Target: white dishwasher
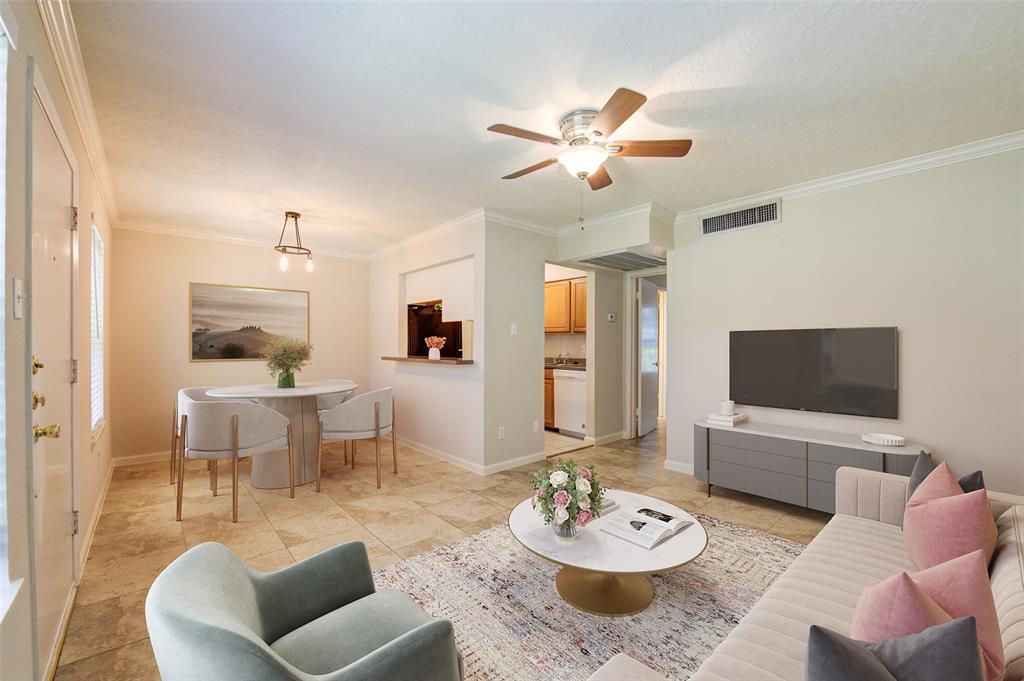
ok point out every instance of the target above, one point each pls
(571, 401)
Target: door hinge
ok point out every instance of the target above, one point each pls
(73, 370)
(638, 412)
(74, 523)
(74, 218)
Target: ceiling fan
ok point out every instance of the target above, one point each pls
(585, 145)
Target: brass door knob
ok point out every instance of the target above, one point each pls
(52, 430)
(37, 364)
(38, 400)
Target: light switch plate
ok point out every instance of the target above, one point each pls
(514, 329)
(501, 432)
(536, 426)
(19, 299)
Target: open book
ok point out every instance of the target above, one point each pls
(645, 527)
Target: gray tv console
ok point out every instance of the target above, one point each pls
(795, 465)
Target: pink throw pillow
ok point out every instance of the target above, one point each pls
(895, 608)
(941, 522)
(961, 587)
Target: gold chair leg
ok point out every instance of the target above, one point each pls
(291, 468)
(354, 442)
(213, 475)
(319, 454)
(376, 436)
(344, 449)
(234, 468)
(182, 436)
(174, 439)
(394, 437)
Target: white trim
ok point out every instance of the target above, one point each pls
(132, 459)
(514, 463)
(8, 24)
(91, 532)
(470, 466)
(964, 152)
(190, 233)
(604, 439)
(679, 467)
(60, 33)
(510, 220)
(631, 331)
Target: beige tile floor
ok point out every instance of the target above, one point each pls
(429, 503)
(556, 443)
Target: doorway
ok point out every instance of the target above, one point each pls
(52, 261)
(647, 348)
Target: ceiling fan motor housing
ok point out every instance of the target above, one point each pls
(574, 125)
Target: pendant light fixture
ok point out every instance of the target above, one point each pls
(292, 249)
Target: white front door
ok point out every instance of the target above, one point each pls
(647, 343)
(50, 299)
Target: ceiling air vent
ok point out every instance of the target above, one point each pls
(747, 217)
(626, 261)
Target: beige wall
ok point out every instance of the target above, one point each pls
(605, 367)
(92, 460)
(150, 282)
(938, 253)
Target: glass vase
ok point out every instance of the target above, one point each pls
(566, 532)
(286, 380)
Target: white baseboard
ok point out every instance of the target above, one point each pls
(140, 458)
(90, 532)
(679, 467)
(604, 439)
(470, 466)
(513, 463)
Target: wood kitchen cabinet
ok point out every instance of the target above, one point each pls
(549, 399)
(565, 306)
(579, 306)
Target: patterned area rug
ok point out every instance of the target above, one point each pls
(510, 622)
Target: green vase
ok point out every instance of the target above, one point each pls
(286, 380)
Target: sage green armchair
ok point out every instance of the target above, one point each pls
(211, 617)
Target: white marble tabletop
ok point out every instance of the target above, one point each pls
(271, 390)
(601, 552)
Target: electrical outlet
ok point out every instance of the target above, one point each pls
(536, 426)
(501, 432)
(514, 329)
(583, 348)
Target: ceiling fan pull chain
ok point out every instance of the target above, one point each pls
(581, 205)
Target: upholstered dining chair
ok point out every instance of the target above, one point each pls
(215, 431)
(211, 617)
(364, 416)
(184, 396)
(330, 401)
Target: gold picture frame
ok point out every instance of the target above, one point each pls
(234, 323)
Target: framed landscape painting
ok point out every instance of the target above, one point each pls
(239, 322)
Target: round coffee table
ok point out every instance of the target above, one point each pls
(602, 574)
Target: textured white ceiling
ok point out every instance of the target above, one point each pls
(370, 118)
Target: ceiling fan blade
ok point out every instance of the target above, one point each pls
(675, 148)
(622, 105)
(599, 179)
(525, 134)
(536, 166)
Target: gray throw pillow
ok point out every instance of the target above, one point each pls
(945, 651)
(924, 465)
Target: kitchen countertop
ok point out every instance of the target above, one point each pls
(566, 367)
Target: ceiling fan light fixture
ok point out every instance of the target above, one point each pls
(582, 160)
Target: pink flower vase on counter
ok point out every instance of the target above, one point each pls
(434, 345)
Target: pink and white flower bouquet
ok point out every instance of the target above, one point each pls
(567, 496)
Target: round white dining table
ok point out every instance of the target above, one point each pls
(270, 471)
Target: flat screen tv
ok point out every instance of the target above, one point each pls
(837, 371)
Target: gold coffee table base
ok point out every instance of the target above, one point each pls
(601, 593)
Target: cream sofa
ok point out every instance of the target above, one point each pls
(861, 545)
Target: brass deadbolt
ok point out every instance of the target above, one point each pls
(52, 431)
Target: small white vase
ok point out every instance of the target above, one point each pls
(434, 353)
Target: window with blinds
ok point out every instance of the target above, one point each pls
(96, 329)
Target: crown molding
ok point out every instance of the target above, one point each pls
(644, 210)
(60, 33)
(934, 159)
(431, 233)
(519, 223)
(207, 235)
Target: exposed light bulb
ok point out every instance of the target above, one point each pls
(283, 263)
(583, 160)
(309, 264)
